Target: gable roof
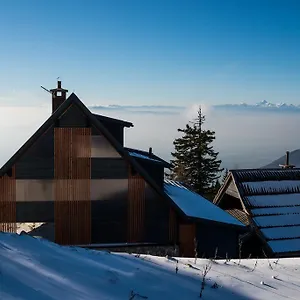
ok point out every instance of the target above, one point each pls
(271, 198)
(74, 100)
(196, 206)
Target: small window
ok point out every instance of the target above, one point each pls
(59, 94)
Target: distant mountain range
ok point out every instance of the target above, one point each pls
(170, 109)
(263, 105)
(294, 160)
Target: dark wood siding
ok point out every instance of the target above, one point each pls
(213, 236)
(173, 226)
(155, 170)
(73, 117)
(38, 161)
(157, 213)
(253, 246)
(35, 169)
(109, 210)
(116, 130)
(109, 168)
(35, 211)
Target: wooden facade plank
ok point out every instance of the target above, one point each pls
(72, 185)
(187, 234)
(8, 211)
(136, 207)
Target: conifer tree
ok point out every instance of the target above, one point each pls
(195, 163)
(225, 175)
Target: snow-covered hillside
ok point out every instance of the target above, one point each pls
(37, 269)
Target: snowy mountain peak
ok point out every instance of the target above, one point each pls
(264, 104)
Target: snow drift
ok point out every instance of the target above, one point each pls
(37, 269)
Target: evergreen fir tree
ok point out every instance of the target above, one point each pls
(225, 175)
(195, 162)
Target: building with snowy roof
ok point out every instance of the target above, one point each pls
(268, 201)
(76, 177)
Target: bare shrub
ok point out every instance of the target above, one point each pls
(138, 296)
(205, 271)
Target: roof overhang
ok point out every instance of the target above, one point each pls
(112, 120)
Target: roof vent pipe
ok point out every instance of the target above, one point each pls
(287, 162)
(287, 158)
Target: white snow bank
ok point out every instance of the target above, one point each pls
(37, 269)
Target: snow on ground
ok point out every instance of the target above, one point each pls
(27, 227)
(37, 269)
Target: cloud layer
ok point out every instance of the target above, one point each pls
(244, 138)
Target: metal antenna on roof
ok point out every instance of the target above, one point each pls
(45, 89)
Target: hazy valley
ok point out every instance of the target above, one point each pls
(247, 136)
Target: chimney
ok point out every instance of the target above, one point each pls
(287, 162)
(59, 95)
(287, 159)
(150, 151)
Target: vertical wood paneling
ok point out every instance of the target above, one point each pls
(8, 211)
(172, 226)
(136, 208)
(72, 171)
(187, 233)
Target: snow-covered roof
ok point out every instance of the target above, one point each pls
(280, 246)
(194, 205)
(278, 220)
(281, 232)
(272, 198)
(259, 187)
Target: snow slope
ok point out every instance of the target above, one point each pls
(37, 269)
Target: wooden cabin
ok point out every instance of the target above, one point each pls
(75, 176)
(268, 201)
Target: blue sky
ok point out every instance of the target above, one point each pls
(151, 52)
